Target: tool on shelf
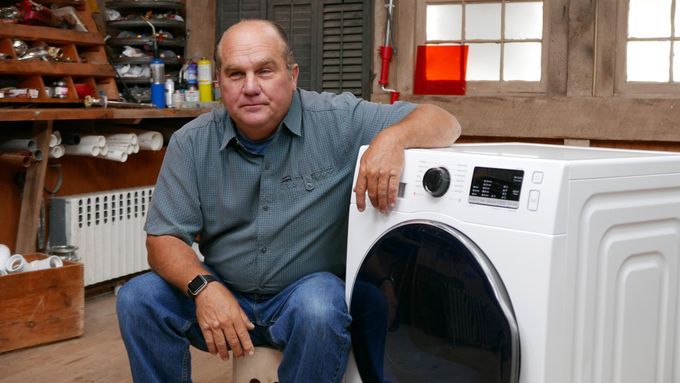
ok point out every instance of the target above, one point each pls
(104, 102)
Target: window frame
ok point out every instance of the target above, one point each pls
(622, 86)
(487, 87)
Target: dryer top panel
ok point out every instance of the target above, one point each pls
(553, 152)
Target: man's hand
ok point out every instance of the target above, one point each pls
(380, 170)
(223, 322)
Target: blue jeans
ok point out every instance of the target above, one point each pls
(308, 321)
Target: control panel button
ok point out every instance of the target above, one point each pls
(534, 195)
(537, 177)
(436, 181)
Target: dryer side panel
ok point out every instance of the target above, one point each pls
(623, 259)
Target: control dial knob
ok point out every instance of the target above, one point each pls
(436, 181)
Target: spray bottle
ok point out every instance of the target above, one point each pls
(157, 73)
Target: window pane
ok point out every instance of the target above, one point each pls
(522, 62)
(649, 18)
(676, 61)
(484, 62)
(523, 20)
(444, 22)
(483, 21)
(648, 61)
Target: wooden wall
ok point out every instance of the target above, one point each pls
(584, 99)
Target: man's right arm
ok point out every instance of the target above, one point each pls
(219, 315)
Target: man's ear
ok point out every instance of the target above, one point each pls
(294, 72)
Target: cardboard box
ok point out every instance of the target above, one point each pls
(42, 306)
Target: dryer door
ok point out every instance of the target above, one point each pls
(428, 306)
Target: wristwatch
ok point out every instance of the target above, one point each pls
(199, 283)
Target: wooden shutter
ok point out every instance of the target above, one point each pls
(346, 54)
(297, 17)
(331, 39)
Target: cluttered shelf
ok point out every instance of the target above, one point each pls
(55, 114)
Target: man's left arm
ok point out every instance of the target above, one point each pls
(427, 126)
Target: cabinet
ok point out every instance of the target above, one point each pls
(83, 66)
(130, 32)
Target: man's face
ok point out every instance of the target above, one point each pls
(257, 88)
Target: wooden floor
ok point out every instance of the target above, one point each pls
(97, 356)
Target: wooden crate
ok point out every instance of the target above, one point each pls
(42, 306)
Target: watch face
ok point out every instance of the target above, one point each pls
(197, 284)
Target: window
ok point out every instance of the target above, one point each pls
(505, 39)
(648, 48)
(653, 41)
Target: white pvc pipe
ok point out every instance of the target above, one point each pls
(115, 154)
(93, 140)
(127, 148)
(82, 150)
(103, 150)
(54, 141)
(135, 148)
(58, 136)
(127, 138)
(18, 145)
(15, 264)
(57, 151)
(4, 255)
(2, 272)
(48, 263)
(150, 140)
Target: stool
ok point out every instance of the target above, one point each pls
(259, 368)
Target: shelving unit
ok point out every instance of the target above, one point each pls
(133, 23)
(84, 54)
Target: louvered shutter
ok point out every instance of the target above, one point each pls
(297, 18)
(232, 11)
(345, 51)
(331, 39)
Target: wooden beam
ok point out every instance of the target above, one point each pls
(201, 25)
(32, 197)
(581, 50)
(585, 118)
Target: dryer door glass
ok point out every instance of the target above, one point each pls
(428, 306)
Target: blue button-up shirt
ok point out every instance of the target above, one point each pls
(267, 219)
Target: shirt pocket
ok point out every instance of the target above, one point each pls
(298, 186)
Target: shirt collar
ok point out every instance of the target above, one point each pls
(292, 121)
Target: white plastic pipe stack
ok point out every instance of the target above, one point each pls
(150, 140)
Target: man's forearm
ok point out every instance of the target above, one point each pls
(427, 126)
(173, 260)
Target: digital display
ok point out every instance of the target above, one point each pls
(496, 187)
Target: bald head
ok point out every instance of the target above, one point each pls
(256, 26)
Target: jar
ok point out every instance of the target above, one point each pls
(60, 89)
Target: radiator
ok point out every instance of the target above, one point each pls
(107, 227)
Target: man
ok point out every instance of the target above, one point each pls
(266, 183)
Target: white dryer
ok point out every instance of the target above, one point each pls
(519, 263)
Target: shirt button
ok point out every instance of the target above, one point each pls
(309, 186)
(265, 207)
(263, 249)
